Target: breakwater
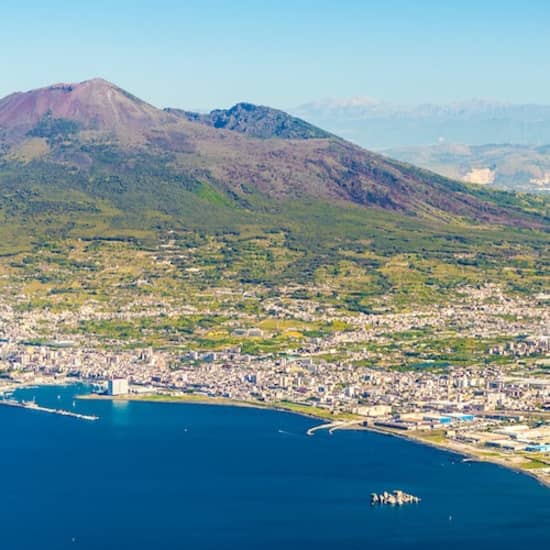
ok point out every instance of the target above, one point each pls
(34, 407)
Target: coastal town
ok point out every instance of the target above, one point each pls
(496, 408)
(275, 275)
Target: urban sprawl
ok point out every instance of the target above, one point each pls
(497, 410)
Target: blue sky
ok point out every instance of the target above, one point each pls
(213, 53)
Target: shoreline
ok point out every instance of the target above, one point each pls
(215, 401)
(466, 452)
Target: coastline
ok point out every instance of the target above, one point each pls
(472, 454)
(219, 401)
(465, 451)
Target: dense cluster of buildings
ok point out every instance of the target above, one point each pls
(466, 402)
(469, 401)
(535, 345)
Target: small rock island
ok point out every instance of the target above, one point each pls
(395, 498)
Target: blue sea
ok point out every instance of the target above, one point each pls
(174, 476)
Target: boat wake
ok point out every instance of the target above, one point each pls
(284, 432)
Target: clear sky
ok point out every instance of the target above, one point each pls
(213, 53)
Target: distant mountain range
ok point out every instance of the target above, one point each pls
(381, 125)
(90, 157)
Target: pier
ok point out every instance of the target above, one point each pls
(31, 405)
(333, 426)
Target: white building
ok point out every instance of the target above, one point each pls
(117, 386)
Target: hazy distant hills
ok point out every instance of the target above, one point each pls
(512, 167)
(505, 144)
(380, 125)
(89, 157)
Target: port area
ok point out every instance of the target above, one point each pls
(31, 405)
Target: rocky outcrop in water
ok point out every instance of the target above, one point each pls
(396, 498)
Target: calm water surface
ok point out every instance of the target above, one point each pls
(161, 476)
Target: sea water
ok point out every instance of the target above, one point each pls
(173, 476)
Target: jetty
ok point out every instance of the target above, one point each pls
(336, 425)
(31, 405)
(395, 498)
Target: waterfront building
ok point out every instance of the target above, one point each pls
(117, 386)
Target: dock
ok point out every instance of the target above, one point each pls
(31, 405)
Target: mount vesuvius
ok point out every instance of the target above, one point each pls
(89, 159)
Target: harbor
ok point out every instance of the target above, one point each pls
(35, 407)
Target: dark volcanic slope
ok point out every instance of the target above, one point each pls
(256, 121)
(97, 132)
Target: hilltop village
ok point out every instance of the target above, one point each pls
(361, 374)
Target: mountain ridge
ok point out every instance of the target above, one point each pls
(110, 145)
(96, 104)
(256, 121)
